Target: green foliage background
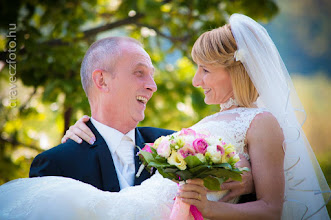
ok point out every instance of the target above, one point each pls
(52, 37)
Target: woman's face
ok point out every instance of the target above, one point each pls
(216, 83)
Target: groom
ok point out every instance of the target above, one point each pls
(117, 77)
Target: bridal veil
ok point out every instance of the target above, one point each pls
(306, 190)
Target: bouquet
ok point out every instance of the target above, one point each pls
(188, 154)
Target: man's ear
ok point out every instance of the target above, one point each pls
(100, 80)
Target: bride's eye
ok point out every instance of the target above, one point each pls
(204, 70)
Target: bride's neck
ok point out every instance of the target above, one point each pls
(231, 103)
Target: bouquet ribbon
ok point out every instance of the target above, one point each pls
(184, 211)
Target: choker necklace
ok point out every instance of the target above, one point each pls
(228, 104)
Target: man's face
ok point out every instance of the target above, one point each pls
(132, 84)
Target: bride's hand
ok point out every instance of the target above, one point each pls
(239, 188)
(195, 193)
(80, 131)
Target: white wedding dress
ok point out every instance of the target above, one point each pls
(65, 198)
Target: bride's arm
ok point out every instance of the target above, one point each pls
(265, 140)
(79, 132)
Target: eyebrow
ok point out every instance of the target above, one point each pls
(144, 65)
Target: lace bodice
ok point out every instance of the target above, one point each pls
(231, 125)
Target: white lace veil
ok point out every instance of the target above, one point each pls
(306, 190)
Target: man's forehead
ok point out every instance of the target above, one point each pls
(146, 65)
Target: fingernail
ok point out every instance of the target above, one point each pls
(92, 141)
(80, 140)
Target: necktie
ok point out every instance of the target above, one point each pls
(125, 153)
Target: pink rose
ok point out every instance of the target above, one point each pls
(164, 149)
(187, 150)
(187, 131)
(200, 145)
(148, 147)
(220, 149)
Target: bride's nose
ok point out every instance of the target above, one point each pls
(196, 81)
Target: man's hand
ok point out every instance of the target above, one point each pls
(236, 188)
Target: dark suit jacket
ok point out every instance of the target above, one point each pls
(92, 164)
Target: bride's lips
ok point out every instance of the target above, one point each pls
(205, 91)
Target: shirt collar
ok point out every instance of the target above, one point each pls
(112, 136)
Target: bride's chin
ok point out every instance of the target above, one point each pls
(210, 102)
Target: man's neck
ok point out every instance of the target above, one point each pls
(119, 124)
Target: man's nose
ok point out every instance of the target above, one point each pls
(150, 84)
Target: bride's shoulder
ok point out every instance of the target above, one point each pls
(264, 123)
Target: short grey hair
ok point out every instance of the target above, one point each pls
(107, 49)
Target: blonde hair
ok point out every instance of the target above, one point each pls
(217, 47)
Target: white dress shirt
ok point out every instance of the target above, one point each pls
(121, 147)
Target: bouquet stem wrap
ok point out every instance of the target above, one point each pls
(184, 211)
(181, 211)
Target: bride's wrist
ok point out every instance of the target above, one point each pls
(209, 210)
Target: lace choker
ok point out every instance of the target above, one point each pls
(228, 104)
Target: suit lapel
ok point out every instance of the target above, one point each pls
(144, 174)
(108, 173)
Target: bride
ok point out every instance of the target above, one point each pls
(239, 68)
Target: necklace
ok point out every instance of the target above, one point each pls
(228, 104)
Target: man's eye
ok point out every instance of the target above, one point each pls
(139, 73)
(206, 71)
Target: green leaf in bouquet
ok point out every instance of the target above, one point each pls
(160, 159)
(221, 173)
(221, 180)
(192, 161)
(148, 157)
(157, 164)
(223, 165)
(212, 183)
(153, 150)
(168, 175)
(199, 169)
(171, 170)
(184, 174)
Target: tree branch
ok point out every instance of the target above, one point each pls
(95, 31)
(3, 55)
(15, 143)
(173, 39)
(28, 100)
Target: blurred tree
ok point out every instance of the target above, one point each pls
(302, 34)
(51, 39)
